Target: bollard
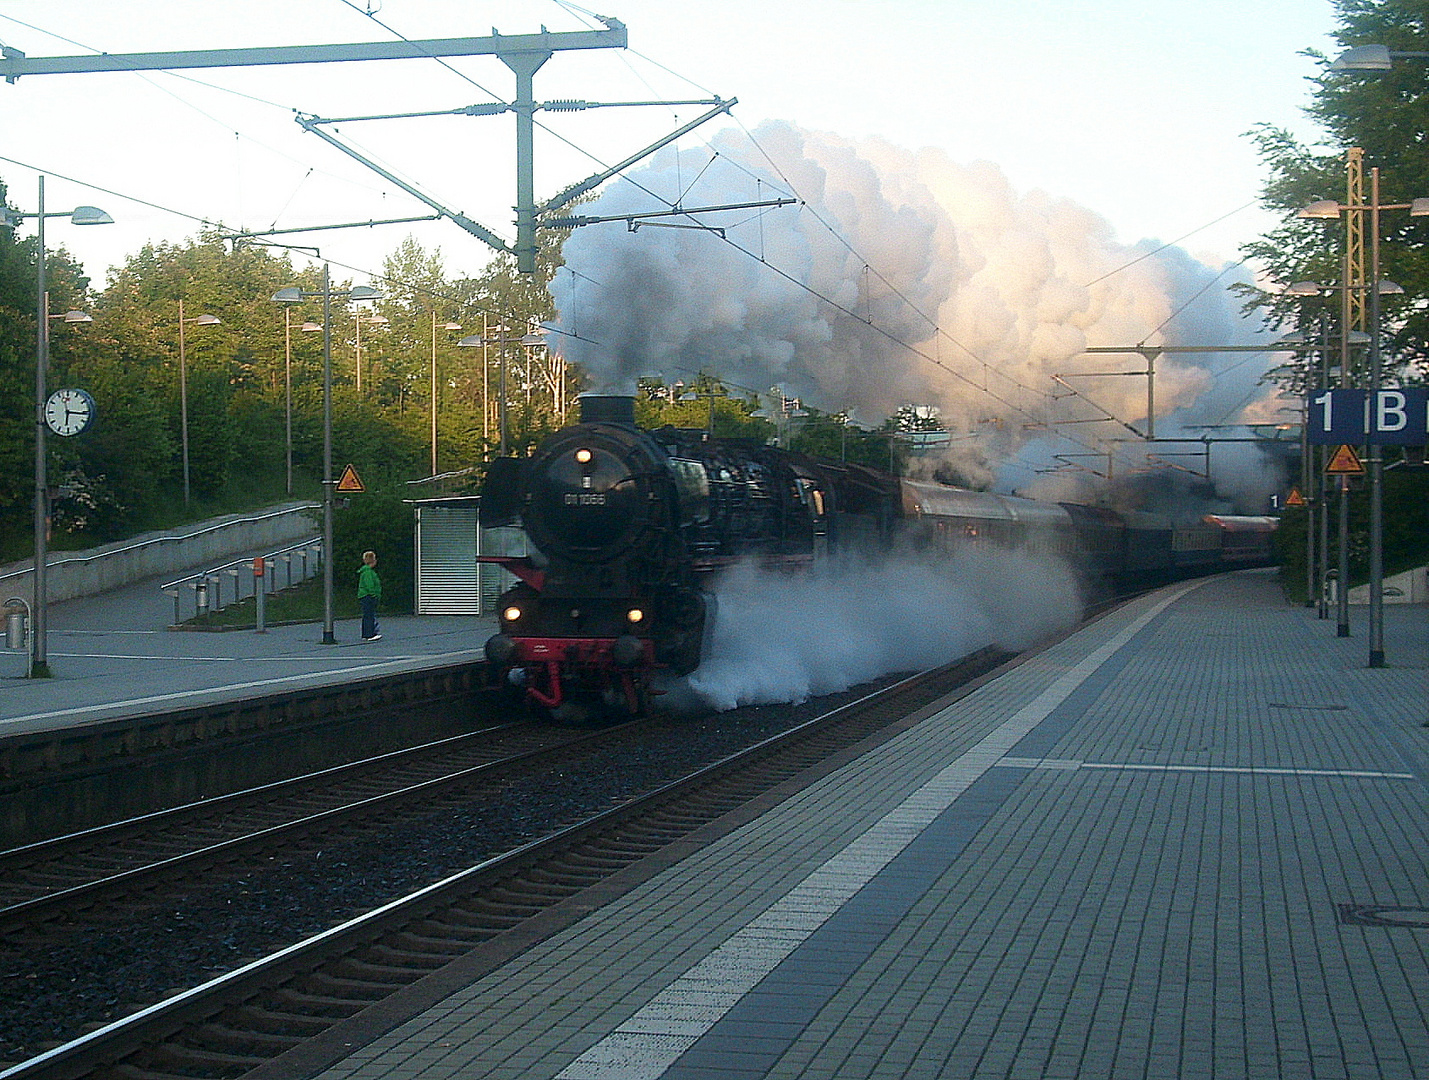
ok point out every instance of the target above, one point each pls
(15, 629)
(259, 592)
(201, 598)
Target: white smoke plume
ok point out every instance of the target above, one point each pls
(843, 315)
(786, 638)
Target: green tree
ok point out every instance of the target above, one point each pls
(1387, 115)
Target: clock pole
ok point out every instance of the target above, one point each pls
(39, 658)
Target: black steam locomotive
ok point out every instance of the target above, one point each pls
(629, 525)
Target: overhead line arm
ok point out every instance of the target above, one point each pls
(576, 190)
(481, 232)
(14, 63)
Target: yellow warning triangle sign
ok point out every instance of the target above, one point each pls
(1344, 462)
(1295, 498)
(348, 483)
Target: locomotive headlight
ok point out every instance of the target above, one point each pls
(634, 615)
(584, 456)
(511, 614)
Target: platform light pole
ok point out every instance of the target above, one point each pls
(1329, 209)
(483, 340)
(445, 326)
(80, 215)
(197, 320)
(293, 295)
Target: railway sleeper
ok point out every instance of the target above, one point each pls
(496, 918)
(399, 956)
(173, 1059)
(360, 968)
(567, 883)
(626, 850)
(301, 1002)
(365, 990)
(258, 1018)
(443, 945)
(532, 885)
(595, 864)
(245, 1041)
(456, 928)
(517, 894)
(473, 913)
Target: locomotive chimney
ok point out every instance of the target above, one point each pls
(607, 409)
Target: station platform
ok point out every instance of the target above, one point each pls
(1187, 840)
(114, 655)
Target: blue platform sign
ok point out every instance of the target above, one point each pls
(1361, 417)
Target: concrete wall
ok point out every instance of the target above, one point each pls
(1410, 587)
(170, 553)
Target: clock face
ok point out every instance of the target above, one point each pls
(68, 412)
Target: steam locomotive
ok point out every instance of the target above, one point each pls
(629, 526)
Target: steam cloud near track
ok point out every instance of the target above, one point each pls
(1020, 283)
(786, 638)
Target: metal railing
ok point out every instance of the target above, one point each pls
(149, 544)
(210, 593)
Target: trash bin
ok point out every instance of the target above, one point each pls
(15, 628)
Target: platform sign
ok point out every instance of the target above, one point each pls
(349, 483)
(1361, 417)
(1344, 462)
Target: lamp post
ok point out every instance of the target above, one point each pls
(80, 215)
(1375, 464)
(307, 327)
(483, 341)
(293, 295)
(445, 326)
(357, 320)
(1320, 495)
(197, 320)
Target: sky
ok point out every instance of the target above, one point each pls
(984, 183)
(1136, 109)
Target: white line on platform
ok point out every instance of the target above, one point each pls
(1247, 770)
(647, 1044)
(100, 709)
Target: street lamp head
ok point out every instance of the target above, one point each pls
(1321, 209)
(290, 295)
(1304, 288)
(1389, 288)
(310, 327)
(473, 340)
(376, 320)
(365, 292)
(77, 317)
(207, 320)
(1364, 58)
(1419, 208)
(90, 215)
(451, 326)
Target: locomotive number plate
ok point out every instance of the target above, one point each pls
(584, 498)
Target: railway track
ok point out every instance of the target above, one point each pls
(292, 1012)
(54, 878)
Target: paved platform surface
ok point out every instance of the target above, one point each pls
(113, 655)
(1187, 841)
